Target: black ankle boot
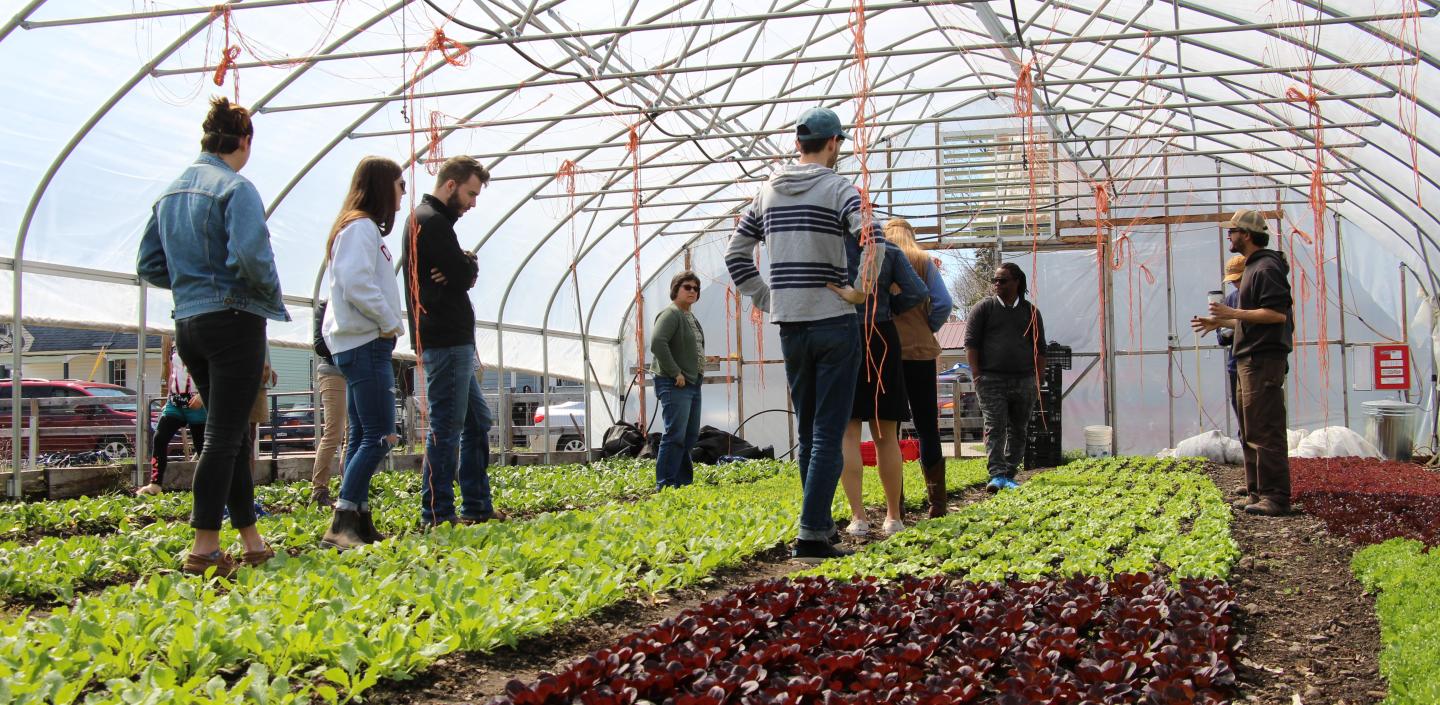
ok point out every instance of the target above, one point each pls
(344, 533)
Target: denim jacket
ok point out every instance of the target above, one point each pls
(894, 268)
(207, 242)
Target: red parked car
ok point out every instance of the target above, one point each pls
(105, 424)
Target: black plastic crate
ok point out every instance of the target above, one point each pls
(1057, 356)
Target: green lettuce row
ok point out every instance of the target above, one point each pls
(1407, 579)
(55, 568)
(331, 625)
(112, 512)
(528, 489)
(1094, 517)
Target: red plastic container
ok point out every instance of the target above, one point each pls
(909, 450)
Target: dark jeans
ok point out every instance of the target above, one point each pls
(370, 394)
(160, 445)
(680, 407)
(920, 388)
(822, 360)
(1006, 402)
(459, 435)
(1235, 396)
(225, 354)
(1262, 428)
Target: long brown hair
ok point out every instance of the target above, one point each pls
(898, 231)
(372, 195)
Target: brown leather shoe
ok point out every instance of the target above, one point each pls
(1268, 507)
(321, 497)
(255, 559)
(1243, 502)
(197, 564)
(492, 516)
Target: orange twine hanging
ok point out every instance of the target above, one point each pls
(634, 147)
(228, 55)
(1317, 209)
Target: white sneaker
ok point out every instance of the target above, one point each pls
(151, 489)
(858, 527)
(892, 527)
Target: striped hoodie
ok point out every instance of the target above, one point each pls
(809, 218)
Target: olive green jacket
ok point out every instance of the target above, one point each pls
(674, 345)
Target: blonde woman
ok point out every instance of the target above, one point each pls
(919, 349)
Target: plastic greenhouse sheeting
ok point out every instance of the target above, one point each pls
(104, 100)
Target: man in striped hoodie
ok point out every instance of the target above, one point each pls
(809, 219)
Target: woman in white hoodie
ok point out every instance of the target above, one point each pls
(362, 321)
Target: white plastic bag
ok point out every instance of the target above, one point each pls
(1293, 437)
(1335, 442)
(1213, 445)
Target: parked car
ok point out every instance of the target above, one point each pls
(567, 427)
(294, 428)
(104, 424)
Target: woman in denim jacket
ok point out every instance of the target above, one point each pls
(206, 241)
(362, 321)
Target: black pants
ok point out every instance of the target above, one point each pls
(225, 354)
(160, 445)
(920, 387)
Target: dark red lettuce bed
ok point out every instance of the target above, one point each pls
(923, 641)
(1369, 501)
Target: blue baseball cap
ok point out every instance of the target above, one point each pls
(819, 123)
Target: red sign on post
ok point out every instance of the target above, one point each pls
(1392, 367)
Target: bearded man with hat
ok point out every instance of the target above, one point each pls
(1264, 334)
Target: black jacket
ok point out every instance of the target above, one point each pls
(1265, 284)
(1006, 337)
(445, 315)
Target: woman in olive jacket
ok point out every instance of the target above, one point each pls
(679, 349)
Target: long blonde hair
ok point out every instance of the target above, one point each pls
(898, 231)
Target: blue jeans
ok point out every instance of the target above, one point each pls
(1006, 402)
(822, 363)
(370, 409)
(459, 435)
(680, 407)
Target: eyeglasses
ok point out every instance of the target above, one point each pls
(1000, 280)
(690, 287)
(1234, 231)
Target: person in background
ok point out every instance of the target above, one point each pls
(1264, 334)
(206, 242)
(331, 415)
(880, 391)
(1005, 346)
(678, 345)
(1234, 269)
(362, 322)
(919, 349)
(182, 410)
(438, 278)
(809, 217)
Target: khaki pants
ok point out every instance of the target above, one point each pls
(1262, 428)
(333, 410)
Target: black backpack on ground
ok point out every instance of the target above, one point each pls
(623, 440)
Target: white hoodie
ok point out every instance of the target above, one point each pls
(364, 295)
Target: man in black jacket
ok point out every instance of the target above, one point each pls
(1005, 346)
(442, 330)
(1264, 333)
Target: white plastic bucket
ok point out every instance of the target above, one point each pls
(1098, 440)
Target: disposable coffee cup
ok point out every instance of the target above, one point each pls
(1216, 297)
